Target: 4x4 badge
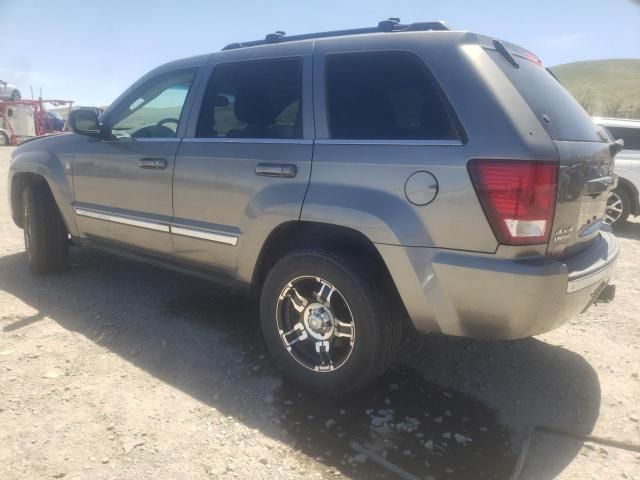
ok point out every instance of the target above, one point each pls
(562, 234)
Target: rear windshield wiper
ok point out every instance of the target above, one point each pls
(502, 50)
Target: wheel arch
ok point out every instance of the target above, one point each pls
(294, 235)
(19, 182)
(40, 166)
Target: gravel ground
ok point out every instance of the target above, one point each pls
(118, 370)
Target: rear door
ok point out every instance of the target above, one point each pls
(245, 167)
(122, 185)
(585, 153)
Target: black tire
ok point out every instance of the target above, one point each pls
(377, 334)
(4, 140)
(618, 217)
(15, 96)
(45, 235)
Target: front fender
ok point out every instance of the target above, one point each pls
(51, 159)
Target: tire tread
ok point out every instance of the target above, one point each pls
(49, 240)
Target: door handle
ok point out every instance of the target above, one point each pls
(153, 163)
(285, 170)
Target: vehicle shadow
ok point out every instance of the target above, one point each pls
(451, 408)
(628, 229)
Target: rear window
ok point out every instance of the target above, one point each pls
(561, 115)
(631, 136)
(384, 96)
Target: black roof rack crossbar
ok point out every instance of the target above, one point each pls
(390, 25)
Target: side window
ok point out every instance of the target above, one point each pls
(384, 96)
(259, 99)
(156, 110)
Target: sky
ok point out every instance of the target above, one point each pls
(90, 51)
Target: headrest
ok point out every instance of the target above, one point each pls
(253, 107)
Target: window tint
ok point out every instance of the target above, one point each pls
(156, 110)
(631, 136)
(253, 100)
(384, 96)
(547, 98)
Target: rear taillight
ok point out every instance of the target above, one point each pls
(518, 197)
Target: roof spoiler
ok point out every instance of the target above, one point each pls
(390, 25)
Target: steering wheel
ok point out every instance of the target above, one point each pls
(167, 120)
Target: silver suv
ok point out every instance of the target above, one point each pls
(363, 183)
(625, 199)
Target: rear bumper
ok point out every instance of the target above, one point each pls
(479, 295)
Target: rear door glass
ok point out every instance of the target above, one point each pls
(259, 99)
(561, 115)
(384, 96)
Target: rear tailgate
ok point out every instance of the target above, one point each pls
(586, 177)
(585, 153)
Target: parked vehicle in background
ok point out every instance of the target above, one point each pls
(23, 119)
(624, 200)
(54, 122)
(9, 92)
(16, 122)
(456, 187)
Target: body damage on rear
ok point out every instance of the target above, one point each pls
(584, 154)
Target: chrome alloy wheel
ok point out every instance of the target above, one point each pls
(614, 209)
(315, 323)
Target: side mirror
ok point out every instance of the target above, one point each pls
(85, 122)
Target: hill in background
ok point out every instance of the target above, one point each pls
(608, 88)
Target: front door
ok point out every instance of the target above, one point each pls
(247, 166)
(122, 186)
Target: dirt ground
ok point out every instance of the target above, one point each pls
(115, 370)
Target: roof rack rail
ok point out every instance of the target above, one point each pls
(390, 25)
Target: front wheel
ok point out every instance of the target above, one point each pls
(326, 323)
(45, 235)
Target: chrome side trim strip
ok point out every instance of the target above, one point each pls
(202, 235)
(324, 141)
(123, 220)
(289, 141)
(159, 227)
(434, 143)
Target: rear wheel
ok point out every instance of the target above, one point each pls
(618, 207)
(15, 95)
(326, 323)
(4, 139)
(45, 235)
